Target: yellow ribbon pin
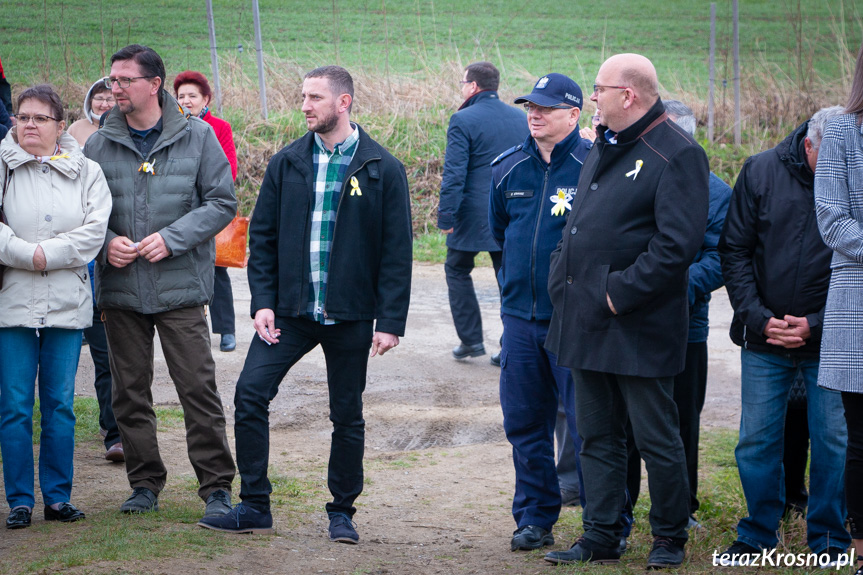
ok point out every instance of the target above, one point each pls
(634, 173)
(59, 156)
(561, 203)
(355, 186)
(148, 167)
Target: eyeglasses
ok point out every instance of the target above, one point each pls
(543, 110)
(596, 88)
(466, 81)
(108, 100)
(123, 82)
(38, 119)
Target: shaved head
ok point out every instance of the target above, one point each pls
(626, 88)
(636, 71)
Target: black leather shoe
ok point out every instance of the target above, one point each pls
(584, 551)
(228, 342)
(65, 514)
(530, 537)
(19, 518)
(495, 359)
(462, 351)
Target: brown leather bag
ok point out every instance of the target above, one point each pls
(231, 244)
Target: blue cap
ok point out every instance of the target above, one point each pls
(554, 90)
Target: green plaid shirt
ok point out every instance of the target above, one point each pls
(330, 170)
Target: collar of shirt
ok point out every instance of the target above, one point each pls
(341, 147)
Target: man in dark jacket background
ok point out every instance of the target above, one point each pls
(172, 192)
(777, 272)
(482, 128)
(533, 185)
(330, 264)
(618, 283)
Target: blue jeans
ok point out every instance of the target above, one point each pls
(765, 382)
(53, 353)
(531, 384)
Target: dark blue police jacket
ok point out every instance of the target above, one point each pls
(528, 208)
(477, 134)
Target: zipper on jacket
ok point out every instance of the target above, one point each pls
(336, 227)
(536, 242)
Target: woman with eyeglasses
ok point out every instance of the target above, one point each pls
(97, 101)
(192, 91)
(56, 205)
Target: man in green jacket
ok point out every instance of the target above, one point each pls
(172, 192)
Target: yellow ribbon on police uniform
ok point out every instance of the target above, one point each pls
(355, 186)
(561, 203)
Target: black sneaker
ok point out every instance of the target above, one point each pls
(342, 529)
(241, 519)
(462, 351)
(19, 518)
(585, 551)
(739, 554)
(667, 552)
(218, 503)
(530, 537)
(142, 500)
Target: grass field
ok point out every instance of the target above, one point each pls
(74, 38)
(406, 57)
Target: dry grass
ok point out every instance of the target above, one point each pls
(409, 114)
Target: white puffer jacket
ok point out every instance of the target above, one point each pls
(62, 205)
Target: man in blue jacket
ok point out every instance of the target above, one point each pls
(533, 185)
(479, 131)
(330, 264)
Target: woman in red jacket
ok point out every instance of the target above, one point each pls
(192, 91)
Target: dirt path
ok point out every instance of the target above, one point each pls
(439, 472)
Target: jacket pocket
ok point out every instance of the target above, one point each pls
(590, 300)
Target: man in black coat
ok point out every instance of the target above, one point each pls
(618, 284)
(481, 129)
(777, 273)
(330, 265)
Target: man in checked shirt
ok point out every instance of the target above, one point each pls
(330, 264)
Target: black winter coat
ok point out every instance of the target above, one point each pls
(637, 222)
(773, 258)
(371, 255)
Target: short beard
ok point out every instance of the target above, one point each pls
(126, 108)
(326, 125)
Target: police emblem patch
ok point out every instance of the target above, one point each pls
(541, 83)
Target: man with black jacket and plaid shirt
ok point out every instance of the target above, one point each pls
(330, 264)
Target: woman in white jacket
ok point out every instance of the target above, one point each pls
(57, 204)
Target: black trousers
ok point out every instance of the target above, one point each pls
(462, 296)
(98, 342)
(222, 306)
(853, 403)
(346, 348)
(690, 387)
(602, 404)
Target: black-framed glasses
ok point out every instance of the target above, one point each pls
(466, 81)
(124, 82)
(543, 110)
(38, 119)
(596, 87)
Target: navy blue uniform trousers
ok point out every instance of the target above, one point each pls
(531, 384)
